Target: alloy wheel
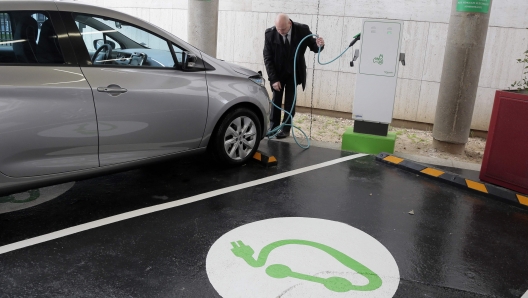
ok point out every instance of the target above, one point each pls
(240, 138)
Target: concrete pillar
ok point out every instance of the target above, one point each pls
(202, 27)
(466, 39)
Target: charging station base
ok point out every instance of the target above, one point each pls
(366, 143)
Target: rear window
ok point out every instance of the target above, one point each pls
(29, 38)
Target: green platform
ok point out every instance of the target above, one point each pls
(364, 143)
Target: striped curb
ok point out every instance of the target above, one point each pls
(487, 189)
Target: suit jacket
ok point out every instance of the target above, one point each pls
(275, 55)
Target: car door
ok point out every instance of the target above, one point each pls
(47, 114)
(146, 107)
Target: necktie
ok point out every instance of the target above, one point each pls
(287, 44)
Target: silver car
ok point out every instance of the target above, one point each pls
(86, 90)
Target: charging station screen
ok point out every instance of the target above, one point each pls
(379, 48)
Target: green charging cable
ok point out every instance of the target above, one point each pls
(274, 132)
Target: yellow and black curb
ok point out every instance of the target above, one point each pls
(265, 159)
(489, 190)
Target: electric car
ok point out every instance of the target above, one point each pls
(86, 90)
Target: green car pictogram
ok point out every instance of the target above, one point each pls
(335, 283)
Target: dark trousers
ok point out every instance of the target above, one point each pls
(288, 90)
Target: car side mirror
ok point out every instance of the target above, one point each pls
(188, 60)
(99, 42)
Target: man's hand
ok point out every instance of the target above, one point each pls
(277, 86)
(320, 42)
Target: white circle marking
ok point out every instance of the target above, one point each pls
(301, 257)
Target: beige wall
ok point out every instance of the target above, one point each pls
(241, 38)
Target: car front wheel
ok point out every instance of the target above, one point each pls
(237, 138)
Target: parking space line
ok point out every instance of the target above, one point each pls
(525, 295)
(136, 213)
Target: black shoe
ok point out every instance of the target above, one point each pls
(283, 134)
(270, 134)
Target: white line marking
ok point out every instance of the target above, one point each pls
(128, 215)
(525, 295)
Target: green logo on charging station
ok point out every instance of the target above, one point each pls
(335, 283)
(379, 60)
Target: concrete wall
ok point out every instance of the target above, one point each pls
(241, 38)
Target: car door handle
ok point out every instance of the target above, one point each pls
(113, 90)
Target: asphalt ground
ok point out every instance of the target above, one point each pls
(456, 244)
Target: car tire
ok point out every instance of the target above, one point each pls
(237, 138)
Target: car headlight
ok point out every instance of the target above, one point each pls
(258, 80)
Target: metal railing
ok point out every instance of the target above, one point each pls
(5, 30)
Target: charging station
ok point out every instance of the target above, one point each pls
(377, 76)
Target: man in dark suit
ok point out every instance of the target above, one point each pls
(281, 42)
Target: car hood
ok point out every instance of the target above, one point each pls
(242, 70)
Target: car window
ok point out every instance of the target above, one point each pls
(28, 37)
(90, 35)
(113, 42)
(178, 51)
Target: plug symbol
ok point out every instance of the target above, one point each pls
(334, 283)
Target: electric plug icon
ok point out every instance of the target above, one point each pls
(243, 251)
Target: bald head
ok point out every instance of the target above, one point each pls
(282, 23)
